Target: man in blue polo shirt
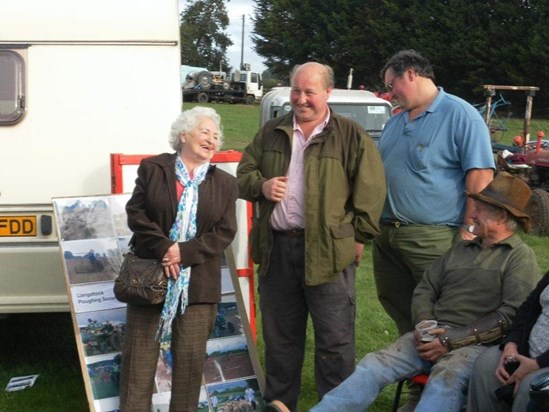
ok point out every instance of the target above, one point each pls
(434, 149)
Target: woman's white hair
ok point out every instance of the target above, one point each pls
(188, 120)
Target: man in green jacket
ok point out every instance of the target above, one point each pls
(318, 185)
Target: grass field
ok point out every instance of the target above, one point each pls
(44, 343)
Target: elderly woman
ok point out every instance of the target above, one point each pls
(182, 213)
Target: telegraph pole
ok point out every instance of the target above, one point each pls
(242, 45)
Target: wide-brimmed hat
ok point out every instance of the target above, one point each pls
(510, 193)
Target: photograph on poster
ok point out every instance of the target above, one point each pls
(227, 359)
(227, 320)
(92, 260)
(118, 214)
(239, 395)
(102, 332)
(104, 375)
(84, 218)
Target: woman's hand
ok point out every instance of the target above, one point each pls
(509, 352)
(527, 366)
(171, 262)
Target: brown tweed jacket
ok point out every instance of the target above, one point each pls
(152, 210)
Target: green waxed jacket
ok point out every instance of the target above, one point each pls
(344, 192)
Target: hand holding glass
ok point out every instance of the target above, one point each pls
(424, 329)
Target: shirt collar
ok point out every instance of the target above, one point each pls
(436, 103)
(320, 127)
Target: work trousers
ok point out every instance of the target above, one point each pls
(401, 253)
(140, 353)
(285, 302)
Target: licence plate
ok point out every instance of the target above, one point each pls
(17, 226)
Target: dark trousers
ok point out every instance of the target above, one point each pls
(140, 353)
(285, 302)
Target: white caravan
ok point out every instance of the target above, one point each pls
(78, 81)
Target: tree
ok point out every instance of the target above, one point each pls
(204, 42)
(469, 42)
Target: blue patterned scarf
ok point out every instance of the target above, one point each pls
(183, 229)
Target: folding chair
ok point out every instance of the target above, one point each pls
(419, 379)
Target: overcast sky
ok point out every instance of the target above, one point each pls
(235, 10)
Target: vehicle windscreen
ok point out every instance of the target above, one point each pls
(371, 117)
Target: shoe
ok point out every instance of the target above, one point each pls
(409, 406)
(276, 406)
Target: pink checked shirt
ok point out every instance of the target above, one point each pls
(289, 212)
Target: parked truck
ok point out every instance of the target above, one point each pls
(202, 85)
(77, 83)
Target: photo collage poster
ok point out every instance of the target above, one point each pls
(93, 237)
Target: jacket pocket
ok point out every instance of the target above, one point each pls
(343, 238)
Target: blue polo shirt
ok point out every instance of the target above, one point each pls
(426, 161)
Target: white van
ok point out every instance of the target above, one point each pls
(78, 81)
(362, 106)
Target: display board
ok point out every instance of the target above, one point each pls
(93, 237)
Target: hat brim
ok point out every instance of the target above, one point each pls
(524, 218)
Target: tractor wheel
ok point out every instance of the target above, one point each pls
(539, 212)
(205, 80)
(202, 97)
(250, 99)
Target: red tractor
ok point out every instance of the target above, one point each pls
(530, 162)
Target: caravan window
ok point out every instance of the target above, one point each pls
(12, 94)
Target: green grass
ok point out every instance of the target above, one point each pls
(44, 343)
(240, 122)
(41, 344)
(515, 127)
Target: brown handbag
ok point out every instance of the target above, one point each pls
(140, 281)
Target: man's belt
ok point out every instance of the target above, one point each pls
(394, 222)
(294, 233)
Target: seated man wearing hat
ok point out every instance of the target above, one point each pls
(473, 291)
